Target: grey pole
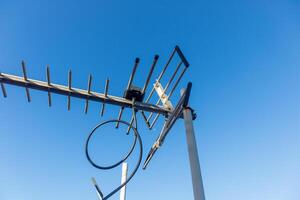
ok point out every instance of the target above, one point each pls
(123, 180)
(193, 155)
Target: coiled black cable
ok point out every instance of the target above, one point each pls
(136, 138)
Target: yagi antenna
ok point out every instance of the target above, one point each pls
(133, 98)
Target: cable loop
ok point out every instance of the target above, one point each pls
(136, 138)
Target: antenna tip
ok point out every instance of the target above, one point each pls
(137, 60)
(156, 57)
(94, 181)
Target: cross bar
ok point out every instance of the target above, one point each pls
(79, 93)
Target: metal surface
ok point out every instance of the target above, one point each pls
(137, 61)
(186, 64)
(3, 90)
(158, 79)
(193, 155)
(169, 95)
(105, 94)
(182, 57)
(79, 93)
(89, 92)
(99, 192)
(150, 73)
(119, 116)
(25, 78)
(49, 83)
(172, 118)
(123, 179)
(173, 76)
(132, 94)
(70, 88)
(162, 96)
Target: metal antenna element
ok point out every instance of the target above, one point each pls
(3, 89)
(70, 88)
(105, 95)
(167, 98)
(146, 84)
(89, 92)
(136, 63)
(177, 112)
(25, 78)
(49, 84)
(161, 74)
(99, 192)
(132, 118)
(119, 116)
(164, 90)
(161, 91)
(150, 73)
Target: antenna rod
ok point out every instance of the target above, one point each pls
(99, 192)
(161, 74)
(25, 78)
(152, 91)
(170, 94)
(119, 116)
(70, 88)
(3, 90)
(165, 89)
(182, 57)
(49, 83)
(89, 92)
(176, 84)
(105, 95)
(173, 76)
(177, 113)
(167, 64)
(150, 73)
(137, 61)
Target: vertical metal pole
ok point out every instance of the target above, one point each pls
(123, 179)
(193, 155)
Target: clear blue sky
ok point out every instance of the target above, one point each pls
(245, 67)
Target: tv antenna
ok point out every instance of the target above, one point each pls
(135, 99)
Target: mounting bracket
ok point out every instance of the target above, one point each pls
(162, 95)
